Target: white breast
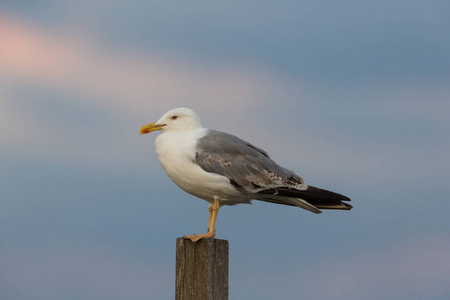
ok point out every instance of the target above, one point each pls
(176, 152)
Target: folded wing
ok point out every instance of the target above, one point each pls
(251, 171)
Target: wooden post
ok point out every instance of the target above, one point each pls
(201, 270)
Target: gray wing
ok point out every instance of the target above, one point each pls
(247, 167)
(251, 171)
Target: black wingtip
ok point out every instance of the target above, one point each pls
(320, 198)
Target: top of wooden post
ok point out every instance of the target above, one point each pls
(201, 269)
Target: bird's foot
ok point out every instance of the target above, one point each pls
(196, 237)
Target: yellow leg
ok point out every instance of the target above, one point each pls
(210, 208)
(213, 210)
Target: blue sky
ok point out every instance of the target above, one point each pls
(353, 96)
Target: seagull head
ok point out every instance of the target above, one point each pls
(177, 119)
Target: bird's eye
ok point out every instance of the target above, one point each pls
(174, 117)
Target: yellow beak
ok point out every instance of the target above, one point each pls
(151, 127)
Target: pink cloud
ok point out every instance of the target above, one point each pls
(120, 79)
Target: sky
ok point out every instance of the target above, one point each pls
(354, 96)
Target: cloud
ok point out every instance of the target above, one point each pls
(118, 79)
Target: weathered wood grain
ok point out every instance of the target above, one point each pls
(201, 270)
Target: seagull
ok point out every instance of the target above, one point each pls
(224, 170)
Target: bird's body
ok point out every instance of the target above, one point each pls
(225, 170)
(176, 152)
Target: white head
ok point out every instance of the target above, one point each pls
(177, 119)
